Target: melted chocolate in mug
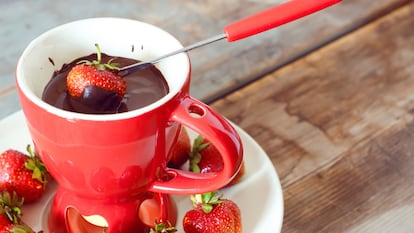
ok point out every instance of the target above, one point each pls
(143, 88)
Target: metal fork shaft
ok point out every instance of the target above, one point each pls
(126, 70)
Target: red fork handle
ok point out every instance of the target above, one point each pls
(273, 17)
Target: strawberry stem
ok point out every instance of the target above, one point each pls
(21, 229)
(163, 227)
(195, 156)
(34, 164)
(97, 63)
(206, 201)
(98, 54)
(10, 206)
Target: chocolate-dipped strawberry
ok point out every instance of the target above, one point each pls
(95, 87)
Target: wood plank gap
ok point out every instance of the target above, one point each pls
(7, 90)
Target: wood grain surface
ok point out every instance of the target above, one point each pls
(330, 98)
(217, 69)
(338, 126)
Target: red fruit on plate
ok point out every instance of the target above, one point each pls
(205, 157)
(212, 214)
(10, 214)
(151, 210)
(24, 174)
(92, 73)
(163, 228)
(181, 149)
(238, 176)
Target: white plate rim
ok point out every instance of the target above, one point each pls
(265, 178)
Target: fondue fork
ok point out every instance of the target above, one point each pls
(249, 26)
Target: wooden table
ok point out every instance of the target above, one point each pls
(330, 98)
(189, 21)
(338, 125)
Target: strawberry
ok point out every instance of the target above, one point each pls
(205, 157)
(161, 227)
(10, 214)
(87, 75)
(24, 174)
(212, 214)
(180, 150)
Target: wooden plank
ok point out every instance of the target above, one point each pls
(217, 68)
(313, 110)
(222, 67)
(368, 190)
(338, 125)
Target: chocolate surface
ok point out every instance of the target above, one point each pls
(143, 88)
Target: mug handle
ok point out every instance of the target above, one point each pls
(204, 120)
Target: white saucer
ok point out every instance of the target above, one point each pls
(259, 194)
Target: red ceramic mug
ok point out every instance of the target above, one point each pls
(107, 165)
